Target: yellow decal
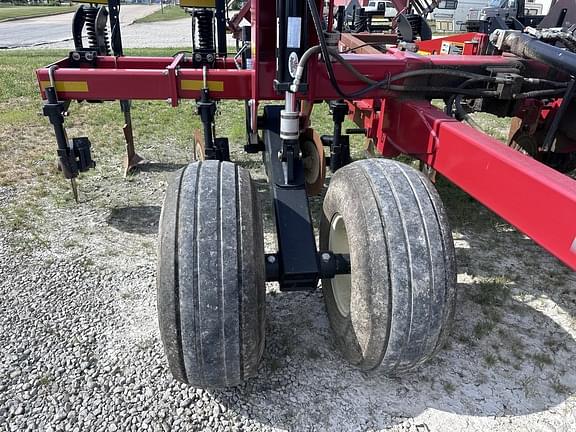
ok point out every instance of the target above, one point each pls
(67, 86)
(217, 86)
(198, 3)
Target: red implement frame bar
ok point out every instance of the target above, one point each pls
(529, 195)
(536, 199)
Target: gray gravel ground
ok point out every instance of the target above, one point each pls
(81, 352)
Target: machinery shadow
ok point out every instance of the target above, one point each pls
(490, 247)
(510, 358)
(135, 220)
(159, 167)
(267, 208)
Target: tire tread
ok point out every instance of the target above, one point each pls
(417, 260)
(214, 296)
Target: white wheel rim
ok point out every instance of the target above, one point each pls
(341, 284)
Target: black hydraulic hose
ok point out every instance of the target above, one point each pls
(386, 83)
(524, 45)
(375, 84)
(553, 128)
(324, 48)
(444, 90)
(450, 105)
(540, 93)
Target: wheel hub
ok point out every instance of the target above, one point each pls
(313, 161)
(341, 284)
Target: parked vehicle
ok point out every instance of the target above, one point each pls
(511, 12)
(451, 15)
(510, 8)
(387, 7)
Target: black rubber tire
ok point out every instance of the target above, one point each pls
(211, 276)
(403, 275)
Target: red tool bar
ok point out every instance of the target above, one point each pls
(149, 84)
(119, 78)
(539, 201)
(381, 66)
(111, 62)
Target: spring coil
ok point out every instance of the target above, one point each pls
(97, 37)
(205, 29)
(90, 14)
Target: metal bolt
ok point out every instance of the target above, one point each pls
(326, 257)
(210, 58)
(89, 56)
(271, 259)
(76, 56)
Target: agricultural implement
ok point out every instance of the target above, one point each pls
(385, 254)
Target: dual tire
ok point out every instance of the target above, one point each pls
(393, 311)
(211, 281)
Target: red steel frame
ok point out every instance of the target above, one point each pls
(531, 196)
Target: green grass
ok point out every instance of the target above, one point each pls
(484, 328)
(449, 388)
(493, 291)
(17, 77)
(45, 380)
(541, 360)
(19, 12)
(490, 359)
(20, 121)
(560, 388)
(168, 14)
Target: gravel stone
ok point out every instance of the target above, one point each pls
(19, 410)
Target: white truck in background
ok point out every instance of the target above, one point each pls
(383, 6)
(451, 15)
(506, 8)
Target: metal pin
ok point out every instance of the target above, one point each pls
(205, 76)
(74, 189)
